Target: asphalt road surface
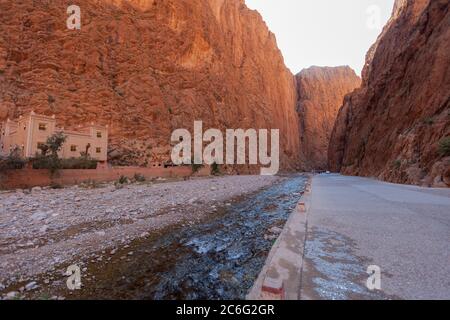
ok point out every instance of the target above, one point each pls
(356, 222)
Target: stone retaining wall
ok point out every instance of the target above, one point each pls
(28, 178)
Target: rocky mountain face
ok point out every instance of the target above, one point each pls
(396, 126)
(145, 68)
(320, 92)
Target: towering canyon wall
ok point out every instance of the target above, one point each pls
(394, 127)
(320, 92)
(145, 68)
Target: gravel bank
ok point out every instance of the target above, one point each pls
(47, 228)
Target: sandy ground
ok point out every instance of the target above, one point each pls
(45, 228)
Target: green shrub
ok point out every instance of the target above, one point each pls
(79, 163)
(196, 167)
(444, 147)
(13, 161)
(397, 164)
(52, 163)
(49, 162)
(139, 177)
(90, 184)
(428, 121)
(119, 184)
(215, 169)
(122, 180)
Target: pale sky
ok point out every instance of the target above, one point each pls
(324, 32)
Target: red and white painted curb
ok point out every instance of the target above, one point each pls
(280, 276)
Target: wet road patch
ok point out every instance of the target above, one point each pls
(332, 270)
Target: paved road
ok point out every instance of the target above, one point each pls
(357, 222)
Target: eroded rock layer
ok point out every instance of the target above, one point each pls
(394, 127)
(146, 68)
(320, 92)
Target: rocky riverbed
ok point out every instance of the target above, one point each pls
(44, 230)
(218, 258)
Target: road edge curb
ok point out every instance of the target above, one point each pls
(280, 276)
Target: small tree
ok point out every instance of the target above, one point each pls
(55, 143)
(85, 153)
(50, 161)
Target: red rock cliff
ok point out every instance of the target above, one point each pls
(395, 126)
(147, 67)
(320, 92)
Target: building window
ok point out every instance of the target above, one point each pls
(40, 145)
(99, 134)
(98, 150)
(73, 148)
(42, 126)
